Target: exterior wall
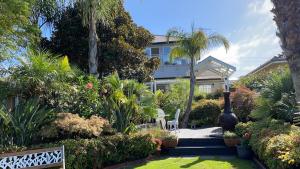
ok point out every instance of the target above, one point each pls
(215, 84)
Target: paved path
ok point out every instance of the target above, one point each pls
(199, 133)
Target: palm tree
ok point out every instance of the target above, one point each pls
(94, 11)
(192, 46)
(287, 18)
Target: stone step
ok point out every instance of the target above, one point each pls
(194, 142)
(203, 150)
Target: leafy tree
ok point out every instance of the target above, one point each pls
(16, 29)
(192, 46)
(122, 45)
(287, 16)
(45, 11)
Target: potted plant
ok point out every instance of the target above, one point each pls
(244, 150)
(169, 141)
(231, 139)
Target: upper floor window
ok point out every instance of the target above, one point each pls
(165, 56)
(154, 51)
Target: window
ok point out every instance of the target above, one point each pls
(165, 55)
(154, 51)
(205, 88)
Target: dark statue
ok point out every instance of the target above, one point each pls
(227, 119)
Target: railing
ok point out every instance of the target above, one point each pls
(32, 159)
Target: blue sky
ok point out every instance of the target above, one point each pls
(248, 24)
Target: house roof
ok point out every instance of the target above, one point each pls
(162, 39)
(274, 60)
(217, 69)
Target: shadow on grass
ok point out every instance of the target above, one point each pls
(234, 163)
(197, 161)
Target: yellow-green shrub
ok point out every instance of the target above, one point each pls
(68, 125)
(276, 144)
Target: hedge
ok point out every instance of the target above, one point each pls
(205, 113)
(100, 152)
(276, 143)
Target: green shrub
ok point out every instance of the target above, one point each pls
(206, 112)
(175, 97)
(126, 103)
(243, 103)
(242, 128)
(285, 108)
(215, 95)
(277, 84)
(261, 110)
(199, 97)
(229, 134)
(21, 126)
(100, 152)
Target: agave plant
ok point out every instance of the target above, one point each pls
(23, 122)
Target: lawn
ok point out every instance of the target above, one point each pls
(195, 163)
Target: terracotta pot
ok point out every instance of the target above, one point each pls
(231, 142)
(169, 143)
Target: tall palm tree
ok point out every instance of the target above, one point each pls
(94, 11)
(192, 46)
(287, 18)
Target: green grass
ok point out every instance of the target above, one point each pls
(195, 163)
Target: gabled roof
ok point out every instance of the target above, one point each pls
(274, 60)
(217, 67)
(162, 39)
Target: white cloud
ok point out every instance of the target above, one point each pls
(253, 43)
(262, 7)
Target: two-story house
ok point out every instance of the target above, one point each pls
(211, 74)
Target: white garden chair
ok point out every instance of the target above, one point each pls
(160, 120)
(173, 124)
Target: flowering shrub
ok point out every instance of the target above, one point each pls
(242, 102)
(68, 125)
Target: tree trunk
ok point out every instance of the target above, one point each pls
(191, 96)
(287, 18)
(93, 38)
(294, 64)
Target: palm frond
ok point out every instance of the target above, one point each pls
(216, 40)
(101, 9)
(177, 52)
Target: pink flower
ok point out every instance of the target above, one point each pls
(89, 85)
